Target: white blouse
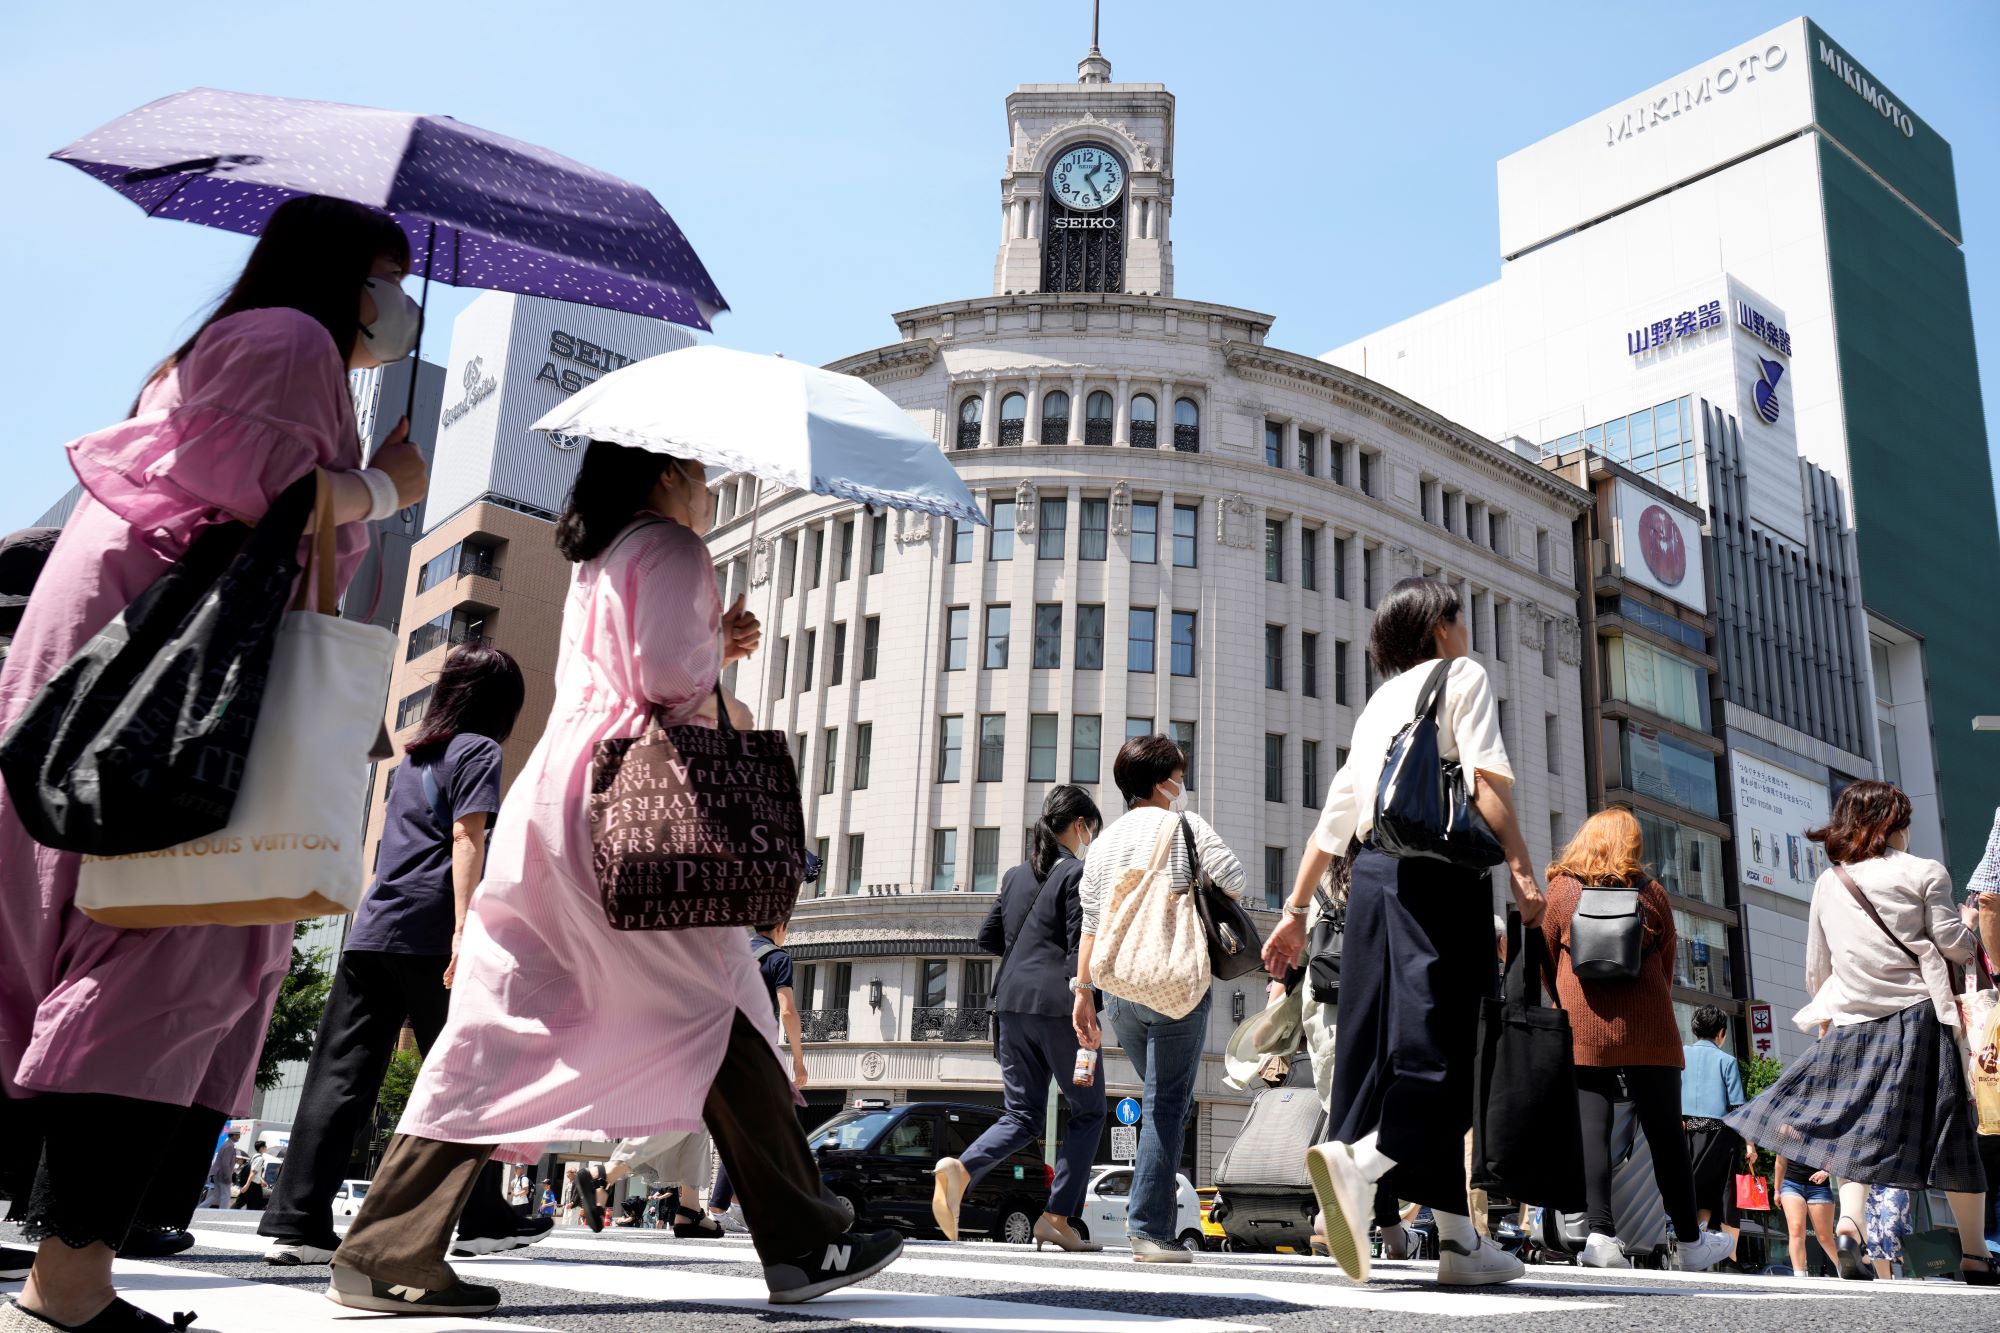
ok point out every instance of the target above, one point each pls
(1468, 730)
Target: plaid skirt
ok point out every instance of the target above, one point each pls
(1882, 1102)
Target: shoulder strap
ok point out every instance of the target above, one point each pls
(760, 945)
(1193, 855)
(627, 535)
(1433, 692)
(1876, 916)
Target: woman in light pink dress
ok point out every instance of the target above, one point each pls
(142, 1042)
(560, 1026)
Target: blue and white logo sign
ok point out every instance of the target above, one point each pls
(1765, 390)
(1128, 1111)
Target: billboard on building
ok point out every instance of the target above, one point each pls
(1774, 808)
(1659, 546)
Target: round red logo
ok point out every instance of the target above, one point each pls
(1660, 543)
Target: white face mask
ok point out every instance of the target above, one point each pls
(1178, 801)
(393, 335)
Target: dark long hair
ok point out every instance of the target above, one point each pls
(313, 257)
(610, 487)
(1864, 815)
(1064, 806)
(478, 690)
(1406, 624)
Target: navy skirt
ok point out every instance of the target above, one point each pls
(1882, 1102)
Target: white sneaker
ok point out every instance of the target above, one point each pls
(1346, 1203)
(1400, 1240)
(1487, 1264)
(290, 1253)
(1602, 1251)
(1699, 1255)
(733, 1225)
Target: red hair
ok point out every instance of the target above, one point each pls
(1606, 850)
(1865, 814)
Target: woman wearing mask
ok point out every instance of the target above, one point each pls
(1035, 926)
(1151, 772)
(560, 1026)
(149, 1038)
(1626, 1042)
(400, 951)
(1881, 1097)
(1419, 953)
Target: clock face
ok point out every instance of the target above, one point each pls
(1087, 178)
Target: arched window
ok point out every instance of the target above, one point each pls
(1145, 422)
(1055, 417)
(969, 413)
(1013, 416)
(1187, 426)
(1097, 411)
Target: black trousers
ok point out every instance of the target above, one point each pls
(1035, 1048)
(373, 995)
(162, 1150)
(1419, 956)
(1715, 1154)
(1655, 1094)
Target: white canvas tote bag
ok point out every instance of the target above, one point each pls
(1150, 946)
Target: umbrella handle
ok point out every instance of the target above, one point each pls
(423, 309)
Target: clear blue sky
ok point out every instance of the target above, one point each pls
(834, 163)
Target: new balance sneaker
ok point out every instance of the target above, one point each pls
(14, 1264)
(1345, 1202)
(840, 1262)
(1602, 1251)
(291, 1253)
(1146, 1250)
(1699, 1255)
(358, 1291)
(1484, 1264)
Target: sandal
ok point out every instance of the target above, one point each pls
(1847, 1253)
(698, 1226)
(1983, 1276)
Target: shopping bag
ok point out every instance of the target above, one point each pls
(1930, 1250)
(1527, 1132)
(1753, 1194)
(291, 848)
(1979, 1042)
(1150, 946)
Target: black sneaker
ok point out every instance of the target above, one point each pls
(840, 1262)
(154, 1242)
(358, 1291)
(527, 1233)
(14, 1264)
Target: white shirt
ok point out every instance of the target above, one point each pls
(1128, 844)
(1468, 722)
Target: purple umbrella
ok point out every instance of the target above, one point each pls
(481, 210)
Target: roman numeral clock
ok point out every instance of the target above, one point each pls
(1083, 245)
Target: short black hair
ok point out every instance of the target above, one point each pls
(1405, 630)
(259, 1143)
(1143, 763)
(1710, 1023)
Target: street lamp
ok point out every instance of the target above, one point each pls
(1236, 1006)
(875, 993)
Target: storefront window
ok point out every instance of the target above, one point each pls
(1685, 861)
(1669, 769)
(1701, 956)
(1643, 676)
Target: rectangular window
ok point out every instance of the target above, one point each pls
(1048, 634)
(1548, 647)
(999, 621)
(944, 862)
(864, 753)
(829, 761)
(788, 564)
(878, 541)
(871, 645)
(1336, 461)
(1001, 545)
(933, 983)
(1136, 727)
(846, 551)
(1555, 832)
(1552, 734)
(1308, 453)
(975, 985)
(818, 547)
(1145, 532)
(1274, 657)
(856, 842)
(1340, 648)
(1093, 536)
(1496, 530)
(1183, 734)
(799, 755)
(1090, 638)
(961, 540)
(1684, 860)
(1042, 747)
(780, 663)
(1541, 551)
(1186, 517)
(1052, 526)
(1477, 614)
(1309, 793)
(985, 860)
(1274, 444)
(1086, 740)
(412, 706)
(1309, 665)
(1669, 769)
(1366, 461)
(1274, 550)
(1425, 489)
(1139, 639)
(992, 747)
(1447, 509)
(1274, 767)
(1184, 643)
(837, 665)
(806, 676)
(957, 627)
(951, 745)
(1646, 677)
(822, 848)
(1502, 618)
(1274, 878)
(1340, 566)
(1368, 577)
(1309, 559)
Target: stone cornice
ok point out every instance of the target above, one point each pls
(1255, 362)
(1062, 300)
(896, 361)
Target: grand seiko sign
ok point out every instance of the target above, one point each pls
(479, 386)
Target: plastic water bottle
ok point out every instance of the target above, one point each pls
(1086, 1067)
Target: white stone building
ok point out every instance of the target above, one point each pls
(1189, 528)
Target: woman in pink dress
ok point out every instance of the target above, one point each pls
(148, 1039)
(560, 1026)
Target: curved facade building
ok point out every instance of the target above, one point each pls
(1189, 528)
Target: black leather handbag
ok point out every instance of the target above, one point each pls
(1329, 933)
(1234, 946)
(1421, 805)
(1607, 934)
(1527, 1132)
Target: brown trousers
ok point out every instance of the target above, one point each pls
(405, 1223)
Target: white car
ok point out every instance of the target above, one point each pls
(1104, 1203)
(347, 1201)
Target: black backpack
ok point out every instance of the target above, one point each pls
(1607, 933)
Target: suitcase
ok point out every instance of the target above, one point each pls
(1263, 1198)
(1636, 1206)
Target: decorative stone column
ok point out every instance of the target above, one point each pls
(1075, 409)
(1031, 429)
(1121, 432)
(989, 429)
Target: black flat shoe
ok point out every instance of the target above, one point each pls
(701, 1228)
(14, 1263)
(121, 1316)
(1847, 1254)
(154, 1243)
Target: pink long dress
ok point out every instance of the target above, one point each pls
(560, 1026)
(172, 1015)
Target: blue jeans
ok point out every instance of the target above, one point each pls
(1166, 1052)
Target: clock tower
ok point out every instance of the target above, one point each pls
(1089, 186)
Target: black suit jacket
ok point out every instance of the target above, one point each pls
(1035, 925)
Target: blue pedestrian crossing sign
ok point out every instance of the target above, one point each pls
(1128, 1111)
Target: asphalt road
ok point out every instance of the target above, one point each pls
(626, 1281)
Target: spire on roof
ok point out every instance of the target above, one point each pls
(1093, 68)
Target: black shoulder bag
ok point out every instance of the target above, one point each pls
(1421, 805)
(1527, 1133)
(1234, 946)
(1329, 933)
